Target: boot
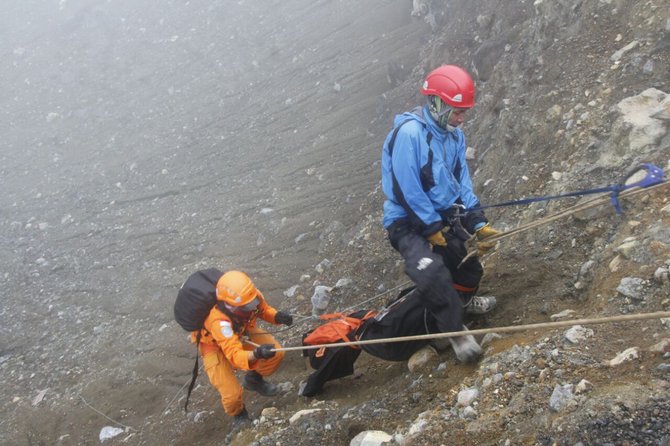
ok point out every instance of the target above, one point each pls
(466, 347)
(241, 419)
(477, 304)
(254, 381)
(480, 305)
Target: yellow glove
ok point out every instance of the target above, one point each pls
(483, 233)
(486, 231)
(437, 239)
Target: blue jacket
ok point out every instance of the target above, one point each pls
(426, 173)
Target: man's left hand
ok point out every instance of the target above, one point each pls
(284, 318)
(485, 232)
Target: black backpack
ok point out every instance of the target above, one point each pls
(195, 299)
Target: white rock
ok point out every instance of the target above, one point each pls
(615, 264)
(343, 282)
(633, 287)
(108, 432)
(424, 358)
(578, 333)
(661, 275)
(370, 438)
(39, 397)
(626, 249)
(661, 347)
(290, 292)
(270, 412)
(627, 355)
(561, 397)
(583, 386)
(636, 112)
(586, 268)
(619, 54)
(323, 265)
(469, 413)
(320, 299)
(467, 396)
(563, 315)
(418, 426)
(302, 413)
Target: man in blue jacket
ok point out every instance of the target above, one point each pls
(428, 187)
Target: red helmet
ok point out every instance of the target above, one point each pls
(452, 84)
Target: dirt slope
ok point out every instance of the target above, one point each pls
(168, 136)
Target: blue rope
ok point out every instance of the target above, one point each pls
(654, 176)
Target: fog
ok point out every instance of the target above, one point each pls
(145, 140)
(107, 103)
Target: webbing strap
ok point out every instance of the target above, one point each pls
(195, 371)
(654, 176)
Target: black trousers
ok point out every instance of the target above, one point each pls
(442, 286)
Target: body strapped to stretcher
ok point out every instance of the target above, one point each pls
(405, 316)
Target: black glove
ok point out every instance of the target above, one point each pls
(264, 351)
(284, 318)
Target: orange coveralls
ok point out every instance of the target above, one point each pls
(223, 352)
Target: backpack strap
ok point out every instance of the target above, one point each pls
(426, 174)
(366, 320)
(195, 370)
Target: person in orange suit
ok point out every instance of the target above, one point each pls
(224, 348)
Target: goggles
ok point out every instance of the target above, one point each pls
(243, 310)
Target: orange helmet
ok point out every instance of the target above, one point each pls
(452, 84)
(236, 289)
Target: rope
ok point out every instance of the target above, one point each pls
(375, 297)
(594, 202)
(302, 318)
(654, 176)
(508, 329)
(176, 395)
(110, 419)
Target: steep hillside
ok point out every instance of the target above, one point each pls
(166, 137)
(551, 76)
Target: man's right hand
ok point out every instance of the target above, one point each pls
(264, 351)
(437, 239)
